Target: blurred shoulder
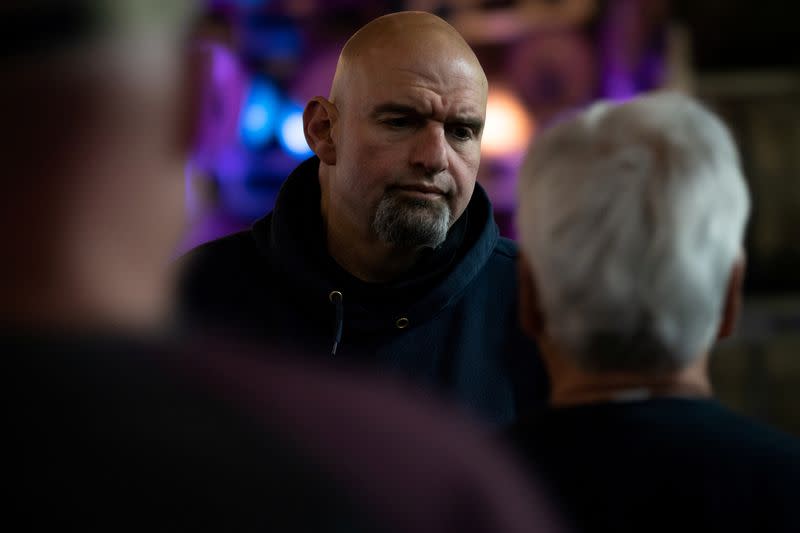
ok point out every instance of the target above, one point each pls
(367, 430)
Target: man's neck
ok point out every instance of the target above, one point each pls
(363, 255)
(367, 259)
(573, 386)
(621, 391)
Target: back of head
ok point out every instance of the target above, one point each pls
(94, 111)
(632, 217)
(66, 63)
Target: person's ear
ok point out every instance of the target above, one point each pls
(319, 118)
(733, 298)
(530, 311)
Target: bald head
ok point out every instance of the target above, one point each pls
(398, 141)
(398, 40)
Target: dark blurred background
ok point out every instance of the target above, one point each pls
(543, 58)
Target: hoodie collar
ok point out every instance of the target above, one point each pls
(292, 238)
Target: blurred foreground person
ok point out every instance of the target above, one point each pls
(382, 249)
(112, 426)
(631, 221)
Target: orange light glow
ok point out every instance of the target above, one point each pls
(509, 127)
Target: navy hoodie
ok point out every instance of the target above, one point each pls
(450, 324)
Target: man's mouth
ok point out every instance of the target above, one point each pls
(422, 190)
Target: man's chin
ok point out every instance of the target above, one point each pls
(415, 228)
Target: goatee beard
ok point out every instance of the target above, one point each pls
(411, 222)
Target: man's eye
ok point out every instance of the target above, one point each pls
(462, 133)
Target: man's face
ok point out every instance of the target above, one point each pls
(408, 145)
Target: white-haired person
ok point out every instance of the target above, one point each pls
(631, 221)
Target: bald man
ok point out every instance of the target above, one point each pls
(382, 248)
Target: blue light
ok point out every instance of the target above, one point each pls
(291, 134)
(259, 113)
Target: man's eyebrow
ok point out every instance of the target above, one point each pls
(390, 107)
(473, 122)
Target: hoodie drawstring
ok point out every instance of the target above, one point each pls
(336, 299)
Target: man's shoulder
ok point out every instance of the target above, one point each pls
(729, 435)
(234, 251)
(710, 433)
(241, 242)
(506, 249)
(644, 454)
(765, 444)
(219, 269)
(502, 263)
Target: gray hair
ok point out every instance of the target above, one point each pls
(632, 217)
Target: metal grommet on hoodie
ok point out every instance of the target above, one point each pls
(334, 296)
(402, 323)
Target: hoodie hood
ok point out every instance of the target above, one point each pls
(292, 238)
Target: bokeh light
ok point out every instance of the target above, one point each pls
(290, 132)
(509, 127)
(259, 113)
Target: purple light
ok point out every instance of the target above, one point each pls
(222, 97)
(632, 54)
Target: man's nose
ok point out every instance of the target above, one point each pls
(430, 149)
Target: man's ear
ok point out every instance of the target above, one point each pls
(319, 118)
(530, 311)
(733, 298)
